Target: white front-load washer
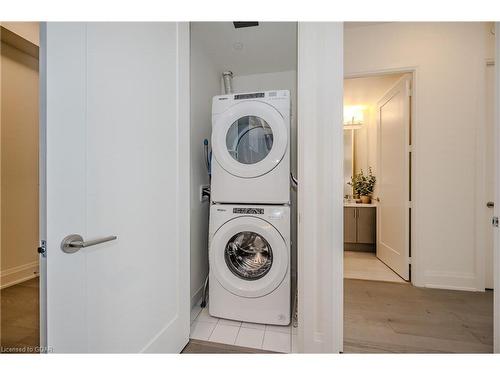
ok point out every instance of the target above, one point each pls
(249, 255)
(251, 148)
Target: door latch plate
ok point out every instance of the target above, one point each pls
(42, 249)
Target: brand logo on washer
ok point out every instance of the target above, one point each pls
(248, 210)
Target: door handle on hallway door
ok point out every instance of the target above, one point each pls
(74, 242)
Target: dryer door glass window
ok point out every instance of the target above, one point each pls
(248, 255)
(249, 139)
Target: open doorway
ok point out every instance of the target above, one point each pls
(376, 208)
(19, 280)
(429, 215)
(242, 120)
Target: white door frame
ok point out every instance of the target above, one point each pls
(320, 146)
(496, 248)
(42, 178)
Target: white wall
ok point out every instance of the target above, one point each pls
(449, 61)
(272, 81)
(205, 83)
(19, 166)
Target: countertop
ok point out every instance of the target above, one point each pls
(360, 204)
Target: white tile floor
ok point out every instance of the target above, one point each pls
(249, 335)
(366, 266)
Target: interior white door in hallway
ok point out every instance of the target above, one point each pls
(393, 177)
(115, 116)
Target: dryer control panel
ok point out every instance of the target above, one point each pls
(248, 210)
(249, 96)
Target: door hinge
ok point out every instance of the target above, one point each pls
(409, 260)
(42, 249)
(494, 221)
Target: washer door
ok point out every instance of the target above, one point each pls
(248, 257)
(249, 139)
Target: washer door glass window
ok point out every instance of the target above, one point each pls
(248, 255)
(249, 139)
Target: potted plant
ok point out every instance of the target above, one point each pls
(363, 185)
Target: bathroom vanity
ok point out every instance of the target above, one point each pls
(360, 227)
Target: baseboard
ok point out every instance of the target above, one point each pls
(361, 247)
(16, 275)
(450, 280)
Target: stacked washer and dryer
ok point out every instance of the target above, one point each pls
(249, 234)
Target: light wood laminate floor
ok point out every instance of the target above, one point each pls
(379, 317)
(208, 347)
(384, 317)
(19, 324)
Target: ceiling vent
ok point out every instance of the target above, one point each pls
(239, 25)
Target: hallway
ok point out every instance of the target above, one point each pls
(384, 317)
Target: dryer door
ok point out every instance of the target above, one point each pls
(248, 256)
(249, 139)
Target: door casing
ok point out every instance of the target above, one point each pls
(320, 144)
(496, 239)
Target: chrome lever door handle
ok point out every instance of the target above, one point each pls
(74, 242)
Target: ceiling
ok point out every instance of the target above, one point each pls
(367, 91)
(269, 47)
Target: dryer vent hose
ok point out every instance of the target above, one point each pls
(228, 82)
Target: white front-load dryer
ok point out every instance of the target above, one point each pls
(249, 255)
(251, 148)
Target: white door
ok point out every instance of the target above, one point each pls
(393, 177)
(115, 107)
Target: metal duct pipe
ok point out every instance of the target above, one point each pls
(228, 82)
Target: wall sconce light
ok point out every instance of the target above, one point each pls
(353, 116)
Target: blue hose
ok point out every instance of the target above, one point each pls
(208, 157)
